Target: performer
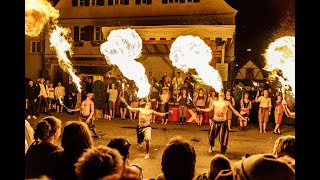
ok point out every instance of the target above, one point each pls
(246, 105)
(219, 125)
(200, 101)
(86, 113)
(143, 127)
(164, 105)
(229, 112)
(183, 101)
(154, 97)
(264, 110)
(278, 114)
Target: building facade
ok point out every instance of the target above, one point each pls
(158, 22)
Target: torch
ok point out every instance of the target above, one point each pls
(63, 104)
(191, 100)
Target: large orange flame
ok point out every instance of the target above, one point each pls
(122, 47)
(37, 14)
(280, 61)
(191, 52)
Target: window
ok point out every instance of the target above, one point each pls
(98, 34)
(179, 1)
(79, 33)
(87, 3)
(82, 33)
(96, 2)
(35, 47)
(118, 2)
(193, 1)
(81, 3)
(143, 1)
(170, 1)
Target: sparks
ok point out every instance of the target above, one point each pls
(191, 52)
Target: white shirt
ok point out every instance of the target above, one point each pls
(59, 91)
(44, 91)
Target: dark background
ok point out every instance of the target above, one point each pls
(258, 23)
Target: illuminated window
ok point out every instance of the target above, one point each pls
(193, 1)
(35, 46)
(143, 1)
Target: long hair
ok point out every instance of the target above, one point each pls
(219, 162)
(76, 137)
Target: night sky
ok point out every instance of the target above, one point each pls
(258, 23)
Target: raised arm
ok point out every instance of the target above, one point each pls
(257, 96)
(287, 111)
(178, 98)
(129, 107)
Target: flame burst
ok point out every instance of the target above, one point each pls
(280, 57)
(122, 47)
(37, 14)
(191, 52)
(59, 42)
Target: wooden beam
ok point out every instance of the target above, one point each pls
(168, 63)
(209, 42)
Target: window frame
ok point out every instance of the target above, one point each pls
(37, 46)
(79, 2)
(95, 33)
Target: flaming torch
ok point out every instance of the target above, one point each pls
(191, 52)
(280, 61)
(59, 42)
(122, 47)
(37, 14)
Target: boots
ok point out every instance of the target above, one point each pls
(180, 120)
(184, 121)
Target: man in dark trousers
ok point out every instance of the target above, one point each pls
(71, 95)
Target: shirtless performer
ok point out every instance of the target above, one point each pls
(143, 127)
(86, 112)
(219, 125)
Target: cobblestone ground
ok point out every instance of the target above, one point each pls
(240, 142)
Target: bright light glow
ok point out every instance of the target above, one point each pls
(191, 52)
(280, 61)
(37, 14)
(121, 48)
(58, 40)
